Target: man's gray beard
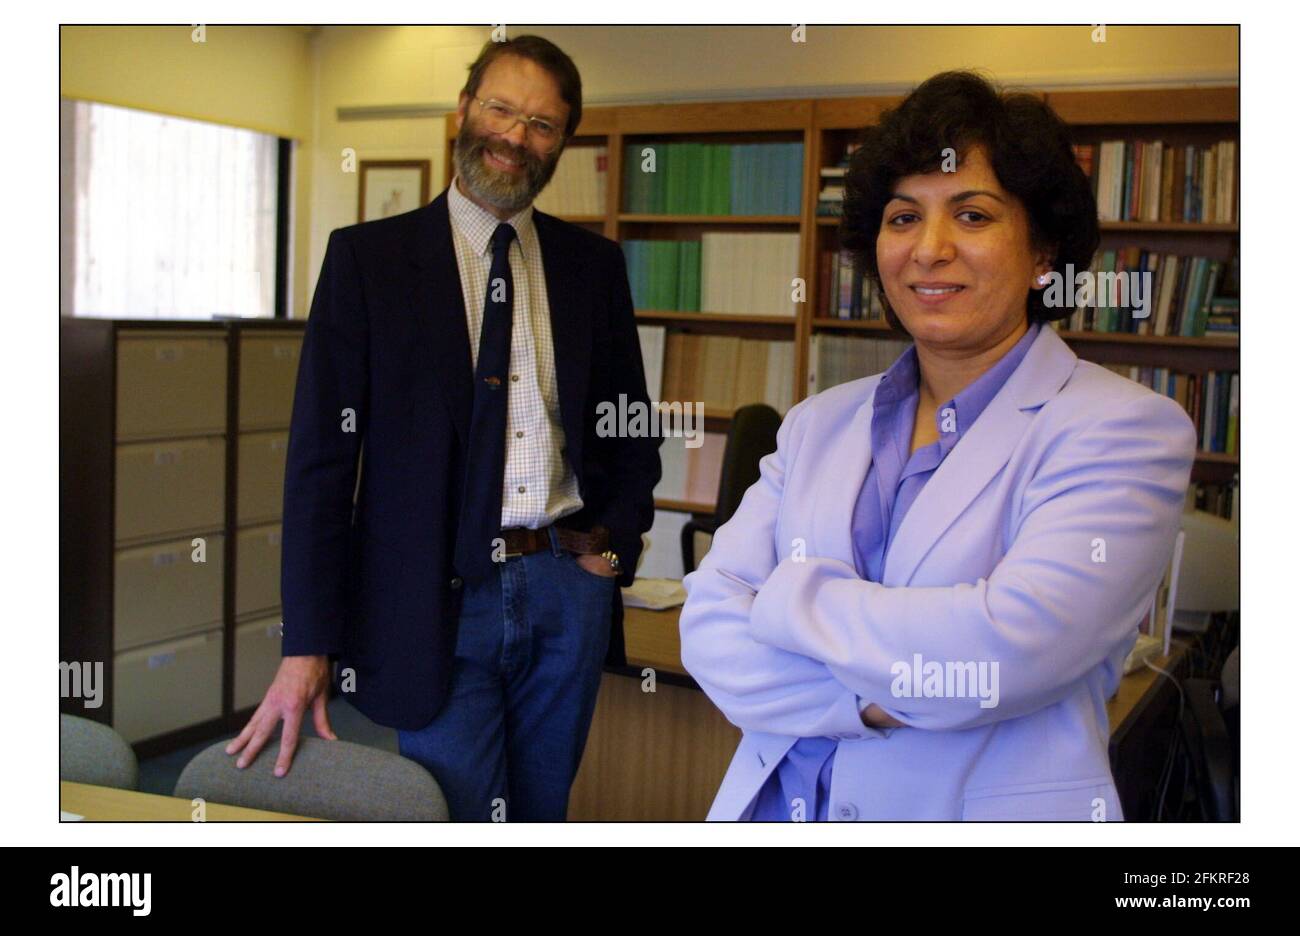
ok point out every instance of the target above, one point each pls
(496, 189)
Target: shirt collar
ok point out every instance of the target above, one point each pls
(900, 382)
(476, 224)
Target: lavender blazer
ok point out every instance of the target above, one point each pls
(1036, 546)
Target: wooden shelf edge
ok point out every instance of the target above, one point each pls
(1169, 341)
(792, 220)
(658, 315)
(682, 506)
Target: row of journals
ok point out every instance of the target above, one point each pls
(725, 372)
(713, 178)
(1183, 296)
(691, 473)
(732, 273)
(1142, 180)
(1212, 399)
(664, 274)
(830, 198)
(579, 184)
(837, 359)
(849, 294)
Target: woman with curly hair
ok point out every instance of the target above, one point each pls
(922, 605)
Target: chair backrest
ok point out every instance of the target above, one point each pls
(91, 752)
(335, 780)
(751, 436)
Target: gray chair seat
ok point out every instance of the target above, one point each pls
(91, 752)
(335, 780)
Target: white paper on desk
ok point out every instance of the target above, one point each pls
(69, 816)
(655, 594)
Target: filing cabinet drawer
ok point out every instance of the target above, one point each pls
(257, 569)
(257, 658)
(166, 686)
(170, 384)
(159, 591)
(268, 370)
(262, 457)
(169, 487)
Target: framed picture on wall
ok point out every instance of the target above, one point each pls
(391, 186)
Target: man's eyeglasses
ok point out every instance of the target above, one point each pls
(500, 118)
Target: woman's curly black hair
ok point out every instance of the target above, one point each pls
(1027, 145)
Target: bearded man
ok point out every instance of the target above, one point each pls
(455, 529)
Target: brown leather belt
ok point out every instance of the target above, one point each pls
(521, 542)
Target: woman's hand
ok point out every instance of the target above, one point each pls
(873, 716)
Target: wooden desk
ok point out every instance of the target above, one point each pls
(662, 755)
(108, 804)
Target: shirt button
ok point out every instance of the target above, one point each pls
(846, 812)
(522, 489)
(514, 378)
(519, 434)
(456, 583)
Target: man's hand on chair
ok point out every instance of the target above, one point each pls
(301, 681)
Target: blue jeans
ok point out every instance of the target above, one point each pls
(529, 655)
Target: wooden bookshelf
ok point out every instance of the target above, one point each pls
(825, 126)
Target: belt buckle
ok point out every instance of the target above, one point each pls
(508, 553)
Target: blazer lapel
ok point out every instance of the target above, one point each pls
(437, 308)
(981, 454)
(570, 328)
(850, 454)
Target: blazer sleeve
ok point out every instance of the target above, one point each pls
(632, 463)
(324, 446)
(1049, 612)
(758, 687)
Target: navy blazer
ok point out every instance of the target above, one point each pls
(385, 392)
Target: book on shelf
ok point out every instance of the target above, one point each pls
(691, 474)
(1189, 297)
(579, 184)
(849, 294)
(713, 178)
(725, 372)
(1216, 497)
(1155, 181)
(748, 273)
(837, 359)
(652, 339)
(1211, 399)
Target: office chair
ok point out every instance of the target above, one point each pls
(90, 752)
(335, 780)
(751, 436)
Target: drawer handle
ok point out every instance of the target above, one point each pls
(277, 445)
(159, 660)
(166, 457)
(164, 559)
(167, 353)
